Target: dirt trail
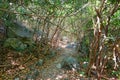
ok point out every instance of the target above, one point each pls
(54, 73)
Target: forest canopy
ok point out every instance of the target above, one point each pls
(40, 30)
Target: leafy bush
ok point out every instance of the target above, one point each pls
(83, 46)
(15, 44)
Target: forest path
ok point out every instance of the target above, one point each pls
(52, 72)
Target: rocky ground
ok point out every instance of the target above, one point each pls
(54, 72)
(50, 69)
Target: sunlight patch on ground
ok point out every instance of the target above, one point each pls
(59, 77)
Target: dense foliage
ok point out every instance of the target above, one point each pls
(36, 27)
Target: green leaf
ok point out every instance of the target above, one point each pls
(15, 44)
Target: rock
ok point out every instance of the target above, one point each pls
(29, 77)
(20, 30)
(17, 78)
(59, 66)
(51, 54)
(71, 45)
(70, 63)
(40, 62)
(35, 73)
(32, 75)
(59, 49)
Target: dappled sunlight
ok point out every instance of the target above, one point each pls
(58, 77)
(59, 39)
